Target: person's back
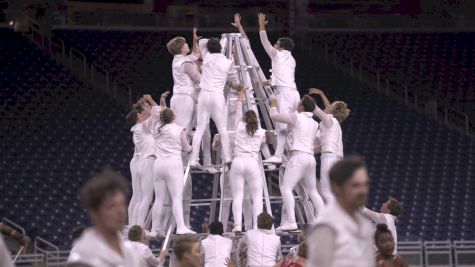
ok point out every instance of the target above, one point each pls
(216, 250)
(263, 247)
(168, 141)
(215, 70)
(304, 132)
(246, 144)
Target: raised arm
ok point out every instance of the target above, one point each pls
(322, 115)
(315, 91)
(239, 104)
(238, 25)
(288, 118)
(196, 48)
(202, 47)
(233, 79)
(192, 71)
(374, 216)
(271, 51)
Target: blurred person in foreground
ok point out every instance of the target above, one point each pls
(385, 243)
(139, 243)
(104, 197)
(342, 236)
(187, 252)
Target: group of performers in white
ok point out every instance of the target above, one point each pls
(162, 135)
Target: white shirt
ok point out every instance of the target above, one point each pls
(303, 127)
(146, 253)
(388, 219)
(331, 136)
(244, 144)
(263, 247)
(349, 243)
(170, 141)
(216, 249)
(92, 249)
(143, 141)
(283, 64)
(216, 70)
(184, 78)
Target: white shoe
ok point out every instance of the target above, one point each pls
(271, 167)
(150, 234)
(185, 231)
(237, 229)
(273, 160)
(210, 169)
(195, 165)
(287, 227)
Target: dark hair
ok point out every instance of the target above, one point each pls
(139, 105)
(131, 118)
(381, 228)
(344, 169)
(286, 43)
(100, 187)
(308, 103)
(302, 250)
(135, 233)
(166, 117)
(216, 228)
(213, 45)
(77, 232)
(183, 245)
(395, 207)
(265, 221)
(252, 124)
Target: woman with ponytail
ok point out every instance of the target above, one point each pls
(245, 166)
(170, 142)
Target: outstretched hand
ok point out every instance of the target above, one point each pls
(165, 95)
(195, 36)
(237, 20)
(262, 20)
(314, 91)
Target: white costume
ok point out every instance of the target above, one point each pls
(136, 192)
(388, 219)
(283, 80)
(215, 72)
(263, 247)
(170, 141)
(93, 250)
(302, 163)
(245, 168)
(340, 240)
(331, 150)
(5, 257)
(215, 249)
(146, 253)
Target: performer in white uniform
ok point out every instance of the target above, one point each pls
(283, 81)
(170, 141)
(217, 70)
(139, 244)
(342, 236)
(302, 163)
(215, 249)
(245, 168)
(104, 199)
(388, 214)
(331, 138)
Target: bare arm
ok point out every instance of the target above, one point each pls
(321, 252)
(185, 146)
(374, 216)
(315, 91)
(191, 70)
(196, 48)
(271, 51)
(150, 100)
(238, 25)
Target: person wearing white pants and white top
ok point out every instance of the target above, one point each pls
(216, 249)
(245, 168)
(283, 81)
(217, 70)
(170, 141)
(302, 163)
(331, 139)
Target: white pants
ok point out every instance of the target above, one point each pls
(211, 105)
(136, 192)
(246, 170)
(145, 177)
(287, 102)
(300, 166)
(170, 171)
(327, 161)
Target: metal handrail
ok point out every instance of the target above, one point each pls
(14, 225)
(73, 51)
(54, 41)
(95, 67)
(48, 253)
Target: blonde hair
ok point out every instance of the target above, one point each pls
(340, 111)
(174, 45)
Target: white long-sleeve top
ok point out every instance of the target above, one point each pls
(303, 127)
(388, 219)
(215, 250)
(146, 253)
(93, 250)
(332, 137)
(185, 74)
(170, 141)
(340, 240)
(142, 134)
(216, 70)
(263, 247)
(283, 64)
(244, 144)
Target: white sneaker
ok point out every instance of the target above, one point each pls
(273, 160)
(237, 229)
(210, 169)
(286, 227)
(185, 231)
(271, 167)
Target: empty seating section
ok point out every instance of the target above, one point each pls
(56, 131)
